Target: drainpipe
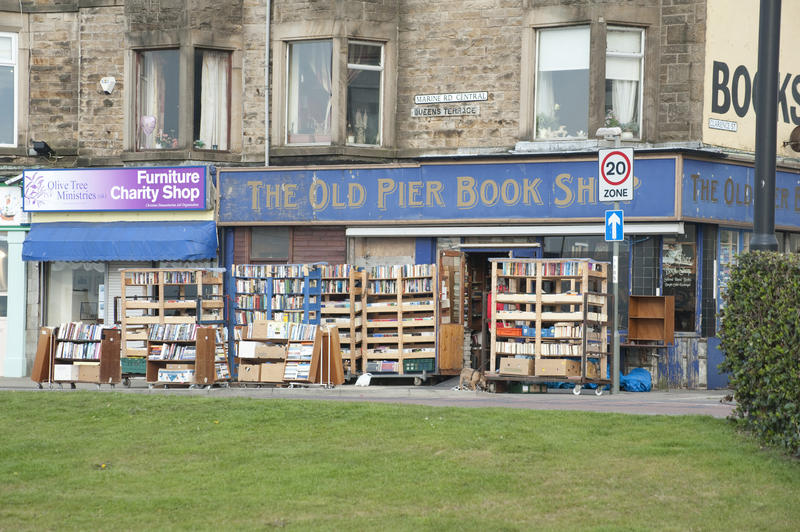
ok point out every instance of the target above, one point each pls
(266, 83)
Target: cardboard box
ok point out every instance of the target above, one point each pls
(516, 366)
(248, 349)
(89, 372)
(272, 372)
(180, 366)
(592, 370)
(259, 329)
(558, 367)
(177, 376)
(249, 372)
(65, 372)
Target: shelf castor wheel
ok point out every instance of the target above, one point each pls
(492, 387)
(149, 386)
(112, 385)
(39, 385)
(98, 385)
(126, 382)
(72, 386)
(577, 389)
(598, 391)
(417, 381)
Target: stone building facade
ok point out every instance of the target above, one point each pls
(453, 82)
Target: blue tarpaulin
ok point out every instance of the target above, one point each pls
(120, 241)
(638, 380)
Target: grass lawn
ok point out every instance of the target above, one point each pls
(91, 461)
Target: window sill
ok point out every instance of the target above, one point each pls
(341, 151)
(180, 155)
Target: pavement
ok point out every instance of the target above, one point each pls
(444, 393)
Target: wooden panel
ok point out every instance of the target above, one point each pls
(651, 318)
(319, 244)
(241, 245)
(451, 345)
(204, 372)
(43, 361)
(110, 369)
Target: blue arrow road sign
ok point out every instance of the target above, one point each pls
(614, 226)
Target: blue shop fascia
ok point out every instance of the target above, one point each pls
(691, 214)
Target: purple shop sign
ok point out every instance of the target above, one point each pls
(115, 189)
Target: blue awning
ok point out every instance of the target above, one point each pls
(120, 241)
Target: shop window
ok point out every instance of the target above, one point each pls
(157, 100)
(645, 264)
(624, 56)
(562, 83)
(364, 83)
(793, 244)
(212, 69)
(270, 244)
(679, 276)
(8, 89)
(309, 92)
(73, 291)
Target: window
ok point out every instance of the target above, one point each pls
(157, 100)
(211, 99)
(73, 291)
(8, 89)
(364, 83)
(269, 244)
(679, 276)
(567, 100)
(562, 83)
(309, 92)
(624, 55)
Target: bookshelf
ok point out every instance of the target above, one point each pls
(554, 321)
(84, 352)
(261, 348)
(159, 296)
(43, 361)
(651, 319)
(182, 353)
(277, 292)
(400, 307)
(342, 290)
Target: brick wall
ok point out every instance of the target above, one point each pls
(680, 108)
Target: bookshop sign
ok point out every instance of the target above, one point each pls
(115, 189)
(502, 192)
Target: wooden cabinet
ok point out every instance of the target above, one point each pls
(78, 352)
(181, 354)
(552, 321)
(157, 296)
(651, 319)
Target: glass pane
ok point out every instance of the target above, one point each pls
(308, 118)
(269, 243)
(562, 83)
(626, 41)
(7, 110)
(211, 99)
(157, 100)
(679, 267)
(364, 54)
(363, 106)
(6, 45)
(72, 292)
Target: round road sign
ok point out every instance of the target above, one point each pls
(615, 167)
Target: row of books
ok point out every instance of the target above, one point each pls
(336, 270)
(299, 352)
(415, 286)
(252, 286)
(171, 277)
(382, 287)
(516, 348)
(404, 270)
(178, 332)
(272, 270)
(141, 277)
(335, 286)
(172, 352)
(244, 317)
(77, 330)
(82, 351)
(561, 349)
(290, 286)
(518, 268)
(297, 371)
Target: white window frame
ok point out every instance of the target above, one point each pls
(14, 62)
(379, 68)
(640, 56)
(287, 81)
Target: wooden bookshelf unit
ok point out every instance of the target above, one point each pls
(651, 319)
(342, 299)
(78, 352)
(181, 354)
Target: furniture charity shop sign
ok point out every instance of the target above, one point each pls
(115, 189)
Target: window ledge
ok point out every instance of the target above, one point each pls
(346, 151)
(180, 155)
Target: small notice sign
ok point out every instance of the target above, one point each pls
(445, 111)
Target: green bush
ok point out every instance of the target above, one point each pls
(761, 341)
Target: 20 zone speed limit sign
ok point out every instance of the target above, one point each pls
(616, 174)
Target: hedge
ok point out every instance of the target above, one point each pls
(761, 340)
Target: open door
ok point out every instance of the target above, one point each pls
(452, 294)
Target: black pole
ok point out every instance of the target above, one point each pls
(766, 106)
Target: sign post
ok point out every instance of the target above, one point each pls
(615, 167)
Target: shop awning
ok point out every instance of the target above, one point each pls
(120, 241)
